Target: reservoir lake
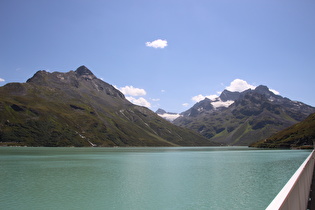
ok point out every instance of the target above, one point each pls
(144, 178)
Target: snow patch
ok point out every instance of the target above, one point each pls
(219, 103)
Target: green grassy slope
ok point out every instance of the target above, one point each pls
(301, 134)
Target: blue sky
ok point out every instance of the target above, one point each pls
(203, 46)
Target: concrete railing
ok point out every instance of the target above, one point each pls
(295, 194)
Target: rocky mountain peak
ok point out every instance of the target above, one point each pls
(84, 72)
(227, 95)
(262, 89)
(160, 111)
(201, 106)
(38, 77)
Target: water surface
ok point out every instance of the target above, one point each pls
(144, 178)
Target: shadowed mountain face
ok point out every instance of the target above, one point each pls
(252, 115)
(301, 135)
(78, 109)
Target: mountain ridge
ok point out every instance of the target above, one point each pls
(251, 115)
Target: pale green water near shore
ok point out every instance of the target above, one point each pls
(144, 178)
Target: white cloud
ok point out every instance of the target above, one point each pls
(139, 101)
(159, 43)
(185, 104)
(163, 91)
(2, 80)
(169, 117)
(132, 91)
(239, 85)
(155, 99)
(198, 98)
(274, 91)
(201, 97)
(212, 97)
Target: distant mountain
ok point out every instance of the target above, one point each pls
(223, 101)
(241, 118)
(167, 115)
(299, 135)
(78, 109)
(220, 103)
(160, 111)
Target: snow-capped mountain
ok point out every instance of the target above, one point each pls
(241, 118)
(167, 115)
(225, 99)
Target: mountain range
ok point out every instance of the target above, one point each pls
(78, 109)
(242, 118)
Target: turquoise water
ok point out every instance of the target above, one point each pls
(144, 178)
